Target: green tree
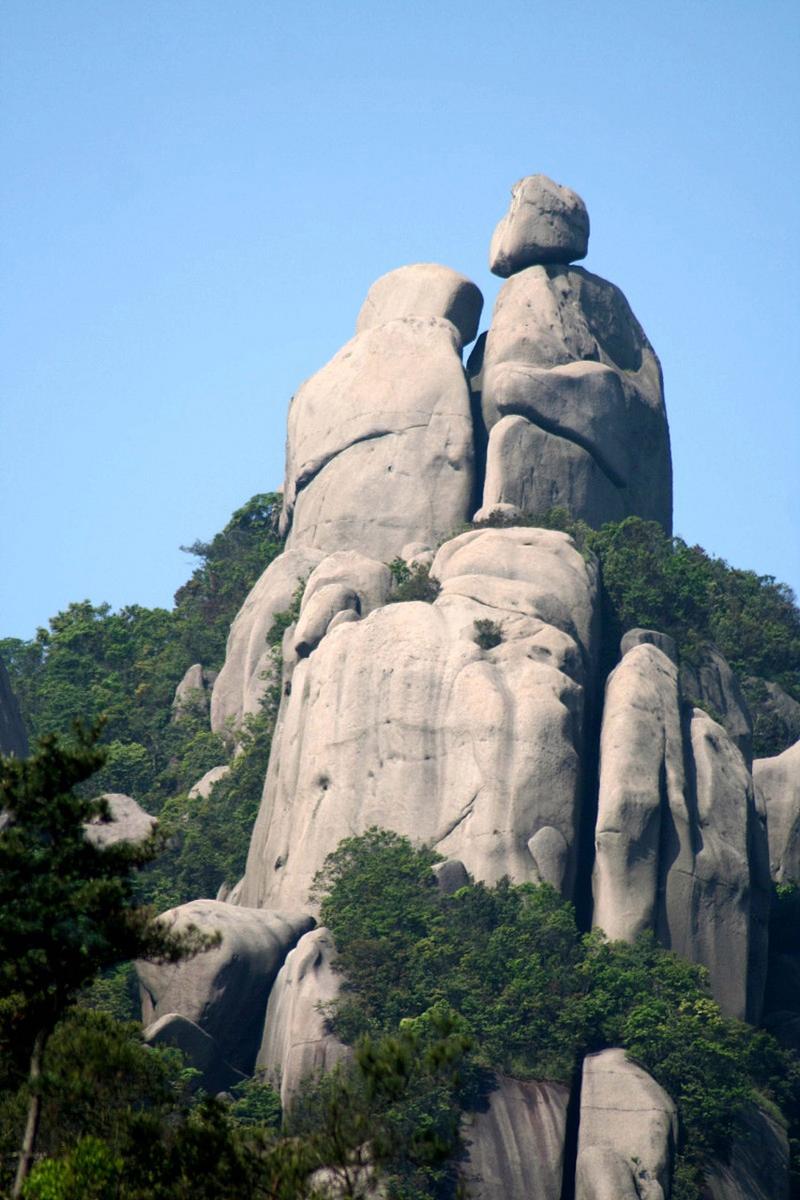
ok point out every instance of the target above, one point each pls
(67, 907)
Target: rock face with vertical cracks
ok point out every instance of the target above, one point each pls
(401, 720)
(297, 1043)
(680, 848)
(380, 448)
(515, 1147)
(224, 990)
(572, 398)
(777, 781)
(627, 1134)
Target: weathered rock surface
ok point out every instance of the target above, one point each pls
(711, 684)
(297, 1041)
(516, 1146)
(759, 1163)
(201, 1050)
(627, 1132)
(719, 917)
(404, 704)
(225, 989)
(572, 398)
(778, 782)
(192, 695)
(678, 835)
(248, 668)
(450, 876)
(129, 822)
(380, 448)
(13, 739)
(546, 223)
(641, 773)
(649, 637)
(344, 582)
(202, 789)
(423, 290)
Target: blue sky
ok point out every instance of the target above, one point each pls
(197, 195)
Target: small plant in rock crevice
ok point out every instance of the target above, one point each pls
(488, 634)
(413, 582)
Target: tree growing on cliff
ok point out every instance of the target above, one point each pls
(67, 906)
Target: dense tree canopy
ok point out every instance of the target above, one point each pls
(535, 995)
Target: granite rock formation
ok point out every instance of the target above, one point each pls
(520, 1115)
(509, 756)
(572, 401)
(297, 1043)
(224, 991)
(778, 783)
(128, 822)
(545, 223)
(403, 703)
(627, 1133)
(679, 847)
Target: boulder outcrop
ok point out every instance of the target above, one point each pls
(192, 695)
(128, 822)
(297, 1042)
(546, 223)
(778, 782)
(627, 1132)
(199, 1048)
(380, 447)
(515, 1147)
(249, 664)
(710, 683)
(224, 990)
(678, 838)
(469, 721)
(572, 398)
(405, 704)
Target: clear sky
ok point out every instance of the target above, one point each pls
(196, 195)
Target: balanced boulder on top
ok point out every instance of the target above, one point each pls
(546, 223)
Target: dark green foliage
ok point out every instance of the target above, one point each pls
(658, 582)
(92, 663)
(115, 993)
(771, 733)
(230, 564)
(397, 1108)
(67, 907)
(119, 1120)
(654, 581)
(488, 634)
(533, 994)
(282, 620)
(207, 837)
(256, 1103)
(125, 666)
(412, 583)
